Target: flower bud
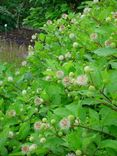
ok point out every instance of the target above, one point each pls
(42, 140)
(78, 152)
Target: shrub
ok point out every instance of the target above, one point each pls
(63, 100)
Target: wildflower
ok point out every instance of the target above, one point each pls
(37, 125)
(68, 55)
(78, 152)
(107, 43)
(5, 25)
(108, 19)
(64, 123)
(38, 101)
(17, 72)
(71, 36)
(93, 36)
(33, 37)
(87, 69)
(61, 57)
(49, 22)
(66, 81)
(1, 82)
(47, 78)
(24, 63)
(86, 10)
(25, 149)
(82, 16)
(32, 147)
(60, 74)
(82, 80)
(64, 16)
(73, 20)
(61, 28)
(10, 79)
(95, 1)
(43, 140)
(75, 45)
(10, 134)
(11, 113)
(114, 14)
(24, 92)
(31, 138)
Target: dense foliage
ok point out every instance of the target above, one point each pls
(33, 13)
(63, 100)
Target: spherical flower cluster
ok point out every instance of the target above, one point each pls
(61, 57)
(49, 22)
(24, 92)
(107, 43)
(95, 1)
(10, 134)
(37, 125)
(73, 20)
(72, 36)
(64, 16)
(93, 36)
(24, 63)
(82, 80)
(1, 82)
(43, 140)
(61, 28)
(38, 101)
(5, 25)
(25, 149)
(33, 37)
(65, 123)
(47, 78)
(10, 79)
(60, 74)
(66, 81)
(32, 147)
(75, 45)
(11, 113)
(86, 10)
(68, 55)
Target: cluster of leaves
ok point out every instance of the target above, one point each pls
(12, 13)
(43, 10)
(63, 100)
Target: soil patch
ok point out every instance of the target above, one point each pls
(19, 36)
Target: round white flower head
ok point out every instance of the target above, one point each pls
(86, 10)
(95, 1)
(107, 43)
(37, 125)
(61, 28)
(32, 147)
(64, 16)
(75, 45)
(49, 22)
(25, 149)
(11, 113)
(10, 79)
(72, 36)
(82, 80)
(24, 92)
(65, 123)
(73, 20)
(1, 82)
(60, 74)
(68, 55)
(24, 63)
(10, 134)
(66, 81)
(93, 36)
(33, 37)
(61, 57)
(47, 78)
(5, 25)
(38, 101)
(42, 140)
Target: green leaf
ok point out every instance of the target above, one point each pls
(24, 130)
(109, 144)
(105, 51)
